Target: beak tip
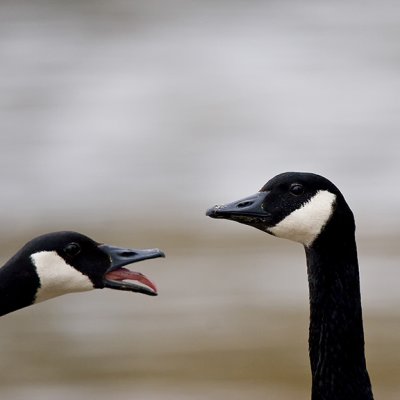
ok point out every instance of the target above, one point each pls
(162, 254)
(212, 212)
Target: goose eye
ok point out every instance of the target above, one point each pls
(296, 189)
(72, 249)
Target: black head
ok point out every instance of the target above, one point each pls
(71, 262)
(293, 205)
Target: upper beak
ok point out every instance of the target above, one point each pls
(250, 206)
(115, 275)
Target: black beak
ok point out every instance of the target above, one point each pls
(116, 276)
(250, 206)
(248, 211)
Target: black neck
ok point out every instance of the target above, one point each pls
(336, 341)
(18, 286)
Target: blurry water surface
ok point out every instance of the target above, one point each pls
(126, 120)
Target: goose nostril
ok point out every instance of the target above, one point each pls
(244, 204)
(128, 254)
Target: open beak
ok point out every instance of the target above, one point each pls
(117, 277)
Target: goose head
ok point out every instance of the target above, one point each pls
(58, 263)
(298, 206)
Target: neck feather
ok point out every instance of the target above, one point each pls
(17, 288)
(336, 341)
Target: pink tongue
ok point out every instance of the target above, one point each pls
(123, 273)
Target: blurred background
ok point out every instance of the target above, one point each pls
(126, 120)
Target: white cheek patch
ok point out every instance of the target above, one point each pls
(305, 223)
(57, 277)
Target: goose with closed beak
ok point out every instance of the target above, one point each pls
(309, 209)
(64, 262)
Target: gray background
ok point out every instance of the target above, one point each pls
(126, 120)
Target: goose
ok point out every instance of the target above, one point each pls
(309, 209)
(58, 263)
